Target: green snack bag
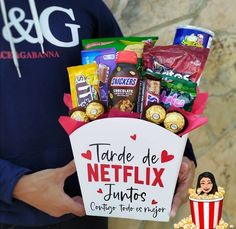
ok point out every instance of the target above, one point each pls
(146, 74)
(136, 44)
(120, 43)
(177, 92)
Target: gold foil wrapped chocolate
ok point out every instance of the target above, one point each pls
(155, 113)
(78, 114)
(94, 110)
(174, 122)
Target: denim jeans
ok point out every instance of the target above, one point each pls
(87, 222)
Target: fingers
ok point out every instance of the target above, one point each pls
(72, 205)
(76, 206)
(69, 169)
(175, 205)
(190, 164)
(180, 198)
(186, 176)
(78, 199)
(199, 190)
(184, 166)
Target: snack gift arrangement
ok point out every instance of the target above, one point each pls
(132, 105)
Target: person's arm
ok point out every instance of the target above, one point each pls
(43, 190)
(107, 25)
(185, 178)
(9, 176)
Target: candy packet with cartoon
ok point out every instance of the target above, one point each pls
(184, 62)
(84, 84)
(177, 93)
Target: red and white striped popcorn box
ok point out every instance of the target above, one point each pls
(206, 214)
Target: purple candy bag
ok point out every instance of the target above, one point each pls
(106, 61)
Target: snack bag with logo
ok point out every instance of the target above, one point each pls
(105, 59)
(124, 82)
(177, 93)
(84, 84)
(136, 44)
(184, 62)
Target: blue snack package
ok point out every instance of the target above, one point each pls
(106, 61)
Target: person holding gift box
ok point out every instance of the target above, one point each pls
(38, 184)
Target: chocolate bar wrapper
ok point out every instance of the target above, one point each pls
(105, 59)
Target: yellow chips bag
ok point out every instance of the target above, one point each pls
(84, 84)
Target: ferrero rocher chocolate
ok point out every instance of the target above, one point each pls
(174, 122)
(78, 114)
(94, 110)
(155, 113)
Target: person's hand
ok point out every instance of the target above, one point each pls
(44, 191)
(185, 181)
(199, 190)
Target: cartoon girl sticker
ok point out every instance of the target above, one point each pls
(206, 184)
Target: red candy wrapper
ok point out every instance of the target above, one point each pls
(69, 124)
(115, 112)
(67, 100)
(200, 102)
(183, 62)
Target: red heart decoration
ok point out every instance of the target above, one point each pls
(165, 157)
(99, 190)
(154, 201)
(133, 137)
(87, 155)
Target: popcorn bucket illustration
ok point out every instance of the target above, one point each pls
(206, 214)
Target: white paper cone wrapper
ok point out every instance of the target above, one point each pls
(106, 182)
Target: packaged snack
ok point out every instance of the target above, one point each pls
(177, 93)
(120, 43)
(150, 91)
(184, 62)
(88, 56)
(105, 59)
(136, 44)
(124, 82)
(193, 36)
(84, 84)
